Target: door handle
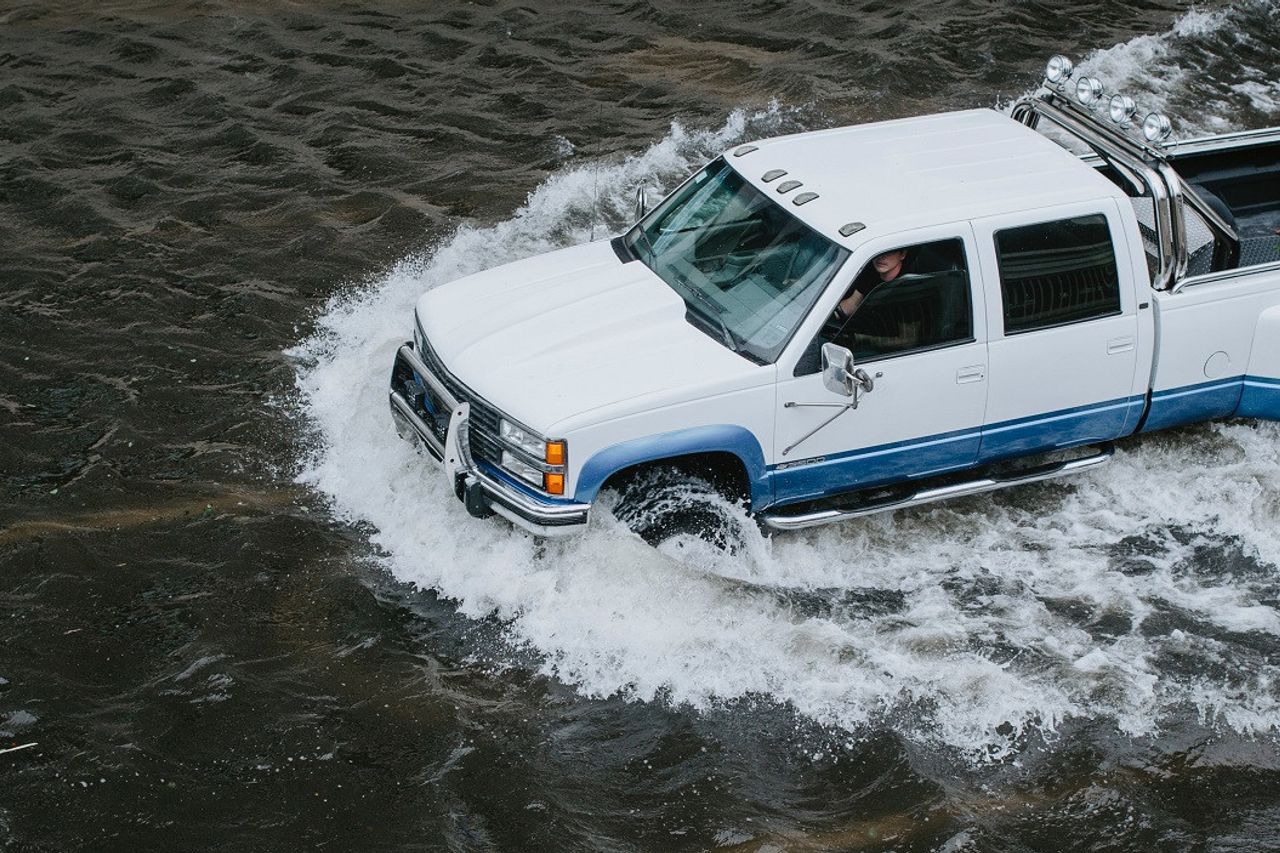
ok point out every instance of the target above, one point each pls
(973, 373)
(1119, 345)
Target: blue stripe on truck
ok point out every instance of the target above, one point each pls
(935, 454)
(1064, 428)
(1260, 398)
(869, 466)
(1192, 403)
(788, 481)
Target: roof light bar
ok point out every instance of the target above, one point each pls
(1089, 92)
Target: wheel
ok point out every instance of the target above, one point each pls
(660, 504)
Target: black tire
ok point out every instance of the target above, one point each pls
(659, 504)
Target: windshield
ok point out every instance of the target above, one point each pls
(748, 271)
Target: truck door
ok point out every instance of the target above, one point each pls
(1064, 347)
(922, 337)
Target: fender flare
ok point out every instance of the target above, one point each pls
(722, 438)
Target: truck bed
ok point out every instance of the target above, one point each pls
(1241, 178)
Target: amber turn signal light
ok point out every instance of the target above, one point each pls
(555, 453)
(553, 483)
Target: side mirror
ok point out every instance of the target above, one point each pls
(642, 203)
(840, 376)
(837, 369)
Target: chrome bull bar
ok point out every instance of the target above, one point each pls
(483, 493)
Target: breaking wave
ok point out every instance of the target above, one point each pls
(1212, 71)
(1140, 594)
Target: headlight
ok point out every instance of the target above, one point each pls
(548, 471)
(521, 469)
(519, 437)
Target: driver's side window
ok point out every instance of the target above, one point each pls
(910, 299)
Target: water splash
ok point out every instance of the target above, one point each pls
(1141, 593)
(1194, 71)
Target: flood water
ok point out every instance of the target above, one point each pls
(238, 613)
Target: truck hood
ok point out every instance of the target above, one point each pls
(576, 330)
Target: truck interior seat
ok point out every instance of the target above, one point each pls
(933, 307)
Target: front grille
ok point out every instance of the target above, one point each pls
(484, 418)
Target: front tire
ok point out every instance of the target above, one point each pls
(659, 504)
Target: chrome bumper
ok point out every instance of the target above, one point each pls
(483, 493)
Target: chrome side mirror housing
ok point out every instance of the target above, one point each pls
(642, 203)
(837, 369)
(840, 376)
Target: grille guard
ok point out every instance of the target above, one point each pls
(483, 492)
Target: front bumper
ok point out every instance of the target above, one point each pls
(483, 491)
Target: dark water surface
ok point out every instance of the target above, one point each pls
(237, 613)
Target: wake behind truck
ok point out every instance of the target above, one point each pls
(856, 320)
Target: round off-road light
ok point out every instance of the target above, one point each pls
(1157, 127)
(1088, 90)
(1058, 70)
(1122, 108)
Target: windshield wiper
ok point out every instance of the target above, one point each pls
(713, 313)
(644, 235)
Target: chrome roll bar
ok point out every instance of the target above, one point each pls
(1136, 159)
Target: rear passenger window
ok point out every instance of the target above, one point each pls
(1055, 273)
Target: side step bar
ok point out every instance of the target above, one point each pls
(781, 521)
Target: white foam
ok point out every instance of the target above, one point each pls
(1000, 598)
(1191, 71)
(1262, 96)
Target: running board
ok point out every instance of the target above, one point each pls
(781, 522)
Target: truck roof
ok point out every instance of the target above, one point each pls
(914, 172)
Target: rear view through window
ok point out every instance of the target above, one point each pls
(1059, 272)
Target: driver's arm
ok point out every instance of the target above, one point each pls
(846, 306)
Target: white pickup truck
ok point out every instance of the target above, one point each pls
(861, 319)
